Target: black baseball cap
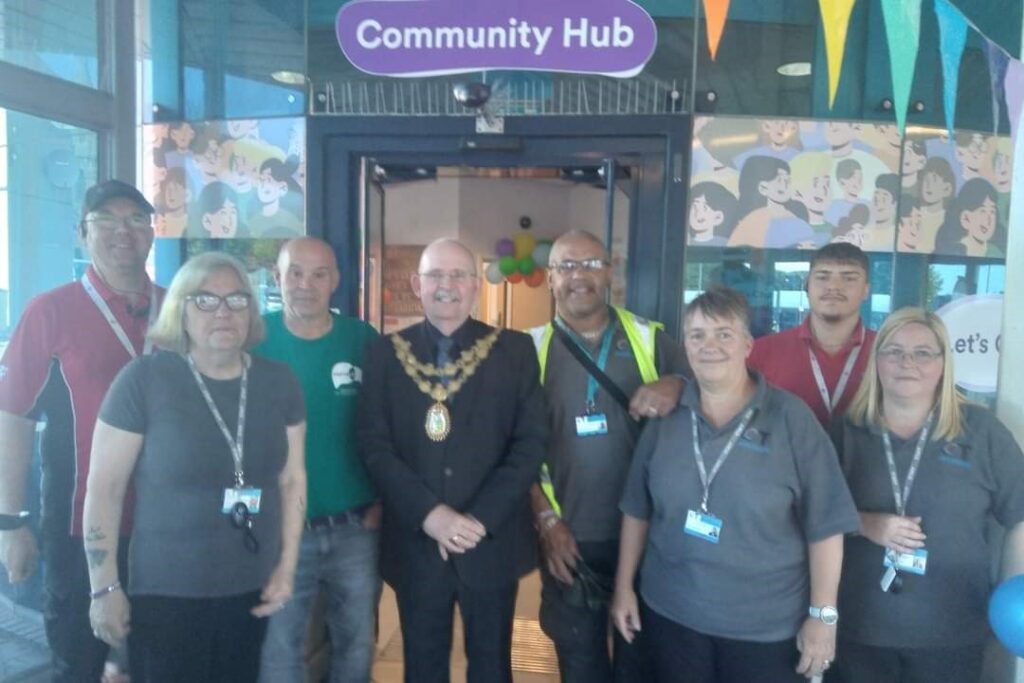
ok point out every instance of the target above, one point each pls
(101, 193)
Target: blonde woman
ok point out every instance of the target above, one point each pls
(928, 472)
(212, 441)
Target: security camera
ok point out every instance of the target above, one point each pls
(472, 95)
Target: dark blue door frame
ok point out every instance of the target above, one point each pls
(656, 147)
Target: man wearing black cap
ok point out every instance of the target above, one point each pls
(62, 357)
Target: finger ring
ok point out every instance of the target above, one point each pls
(651, 410)
(827, 663)
(454, 538)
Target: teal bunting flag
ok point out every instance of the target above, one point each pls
(903, 33)
(952, 38)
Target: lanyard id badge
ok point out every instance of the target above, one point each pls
(592, 423)
(915, 562)
(701, 523)
(239, 493)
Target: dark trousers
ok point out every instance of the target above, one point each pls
(580, 633)
(681, 655)
(856, 663)
(200, 640)
(426, 612)
(77, 655)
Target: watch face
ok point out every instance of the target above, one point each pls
(829, 615)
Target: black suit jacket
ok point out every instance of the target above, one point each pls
(484, 468)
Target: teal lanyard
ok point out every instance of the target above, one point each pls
(602, 357)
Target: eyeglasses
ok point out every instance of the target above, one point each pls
(241, 519)
(436, 277)
(586, 265)
(208, 303)
(108, 222)
(896, 355)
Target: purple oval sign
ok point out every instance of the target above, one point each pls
(434, 37)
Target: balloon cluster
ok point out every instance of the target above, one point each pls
(520, 259)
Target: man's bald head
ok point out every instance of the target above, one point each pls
(449, 248)
(307, 273)
(577, 238)
(446, 283)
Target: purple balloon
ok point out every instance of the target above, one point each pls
(505, 247)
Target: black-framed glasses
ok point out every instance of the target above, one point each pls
(457, 277)
(586, 265)
(241, 518)
(208, 303)
(108, 222)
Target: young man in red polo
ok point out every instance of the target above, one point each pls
(822, 360)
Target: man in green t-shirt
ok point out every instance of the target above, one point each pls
(340, 544)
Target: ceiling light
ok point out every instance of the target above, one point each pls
(289, 77)
(795, 69)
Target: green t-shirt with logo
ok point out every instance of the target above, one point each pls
(330, 370)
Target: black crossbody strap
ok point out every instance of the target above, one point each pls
(590, 366)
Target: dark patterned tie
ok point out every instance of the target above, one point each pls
(444, 350)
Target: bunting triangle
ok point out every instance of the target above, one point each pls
(903, 33)
(952, 38)
(835, 19)
(715, 12)
(997, 62)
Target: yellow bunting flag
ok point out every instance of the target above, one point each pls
(714, 13)
(835, 18)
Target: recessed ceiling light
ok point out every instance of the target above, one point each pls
(795, 69)
(289, 77)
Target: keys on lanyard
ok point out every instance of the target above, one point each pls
(915, 562)
(844, 378)
(701, 523)
(114, 323)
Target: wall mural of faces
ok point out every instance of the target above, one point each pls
(243, 178)
(789, 183)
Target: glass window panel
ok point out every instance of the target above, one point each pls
(45, 168)
(57, 37)
(213, 59)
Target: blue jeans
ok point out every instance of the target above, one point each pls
(342, 559)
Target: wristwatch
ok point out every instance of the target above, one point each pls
(828, 614)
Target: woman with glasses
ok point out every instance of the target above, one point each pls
(211, 440)
(929, 472)
(736, 506)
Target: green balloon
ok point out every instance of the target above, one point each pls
(507, 265)
(526, 265)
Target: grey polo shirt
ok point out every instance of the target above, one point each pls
(961, 486)
(588, 472)
(780, 490)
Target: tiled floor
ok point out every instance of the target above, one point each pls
(533, 657)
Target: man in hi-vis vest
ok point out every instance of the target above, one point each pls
(604, 371)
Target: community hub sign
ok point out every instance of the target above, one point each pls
(435, 37)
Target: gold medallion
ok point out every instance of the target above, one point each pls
(438, 423)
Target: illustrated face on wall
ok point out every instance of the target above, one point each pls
(182, 136)
(817, 196)
(243, 128)
(223, 222)
(838, 133)
(243, 173)
(972, 155)
(209, 162)
(703, 218)
(777, 189)
(778, 131)
(270, 190)
(910, 230)
(885, 206)
(890, 134)
(935, 189)
(980, 223)
(1002, 166)
(853, 185)
(175, 195)
(912, 161)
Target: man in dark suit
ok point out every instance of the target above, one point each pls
(452, 431)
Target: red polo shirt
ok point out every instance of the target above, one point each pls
(59, 364)
(783, 360)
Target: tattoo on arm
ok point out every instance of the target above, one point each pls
(95, 534)
(96, 557)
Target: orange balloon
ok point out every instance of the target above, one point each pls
(515, 277)
(536, 278)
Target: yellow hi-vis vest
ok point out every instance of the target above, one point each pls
(640, 334)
